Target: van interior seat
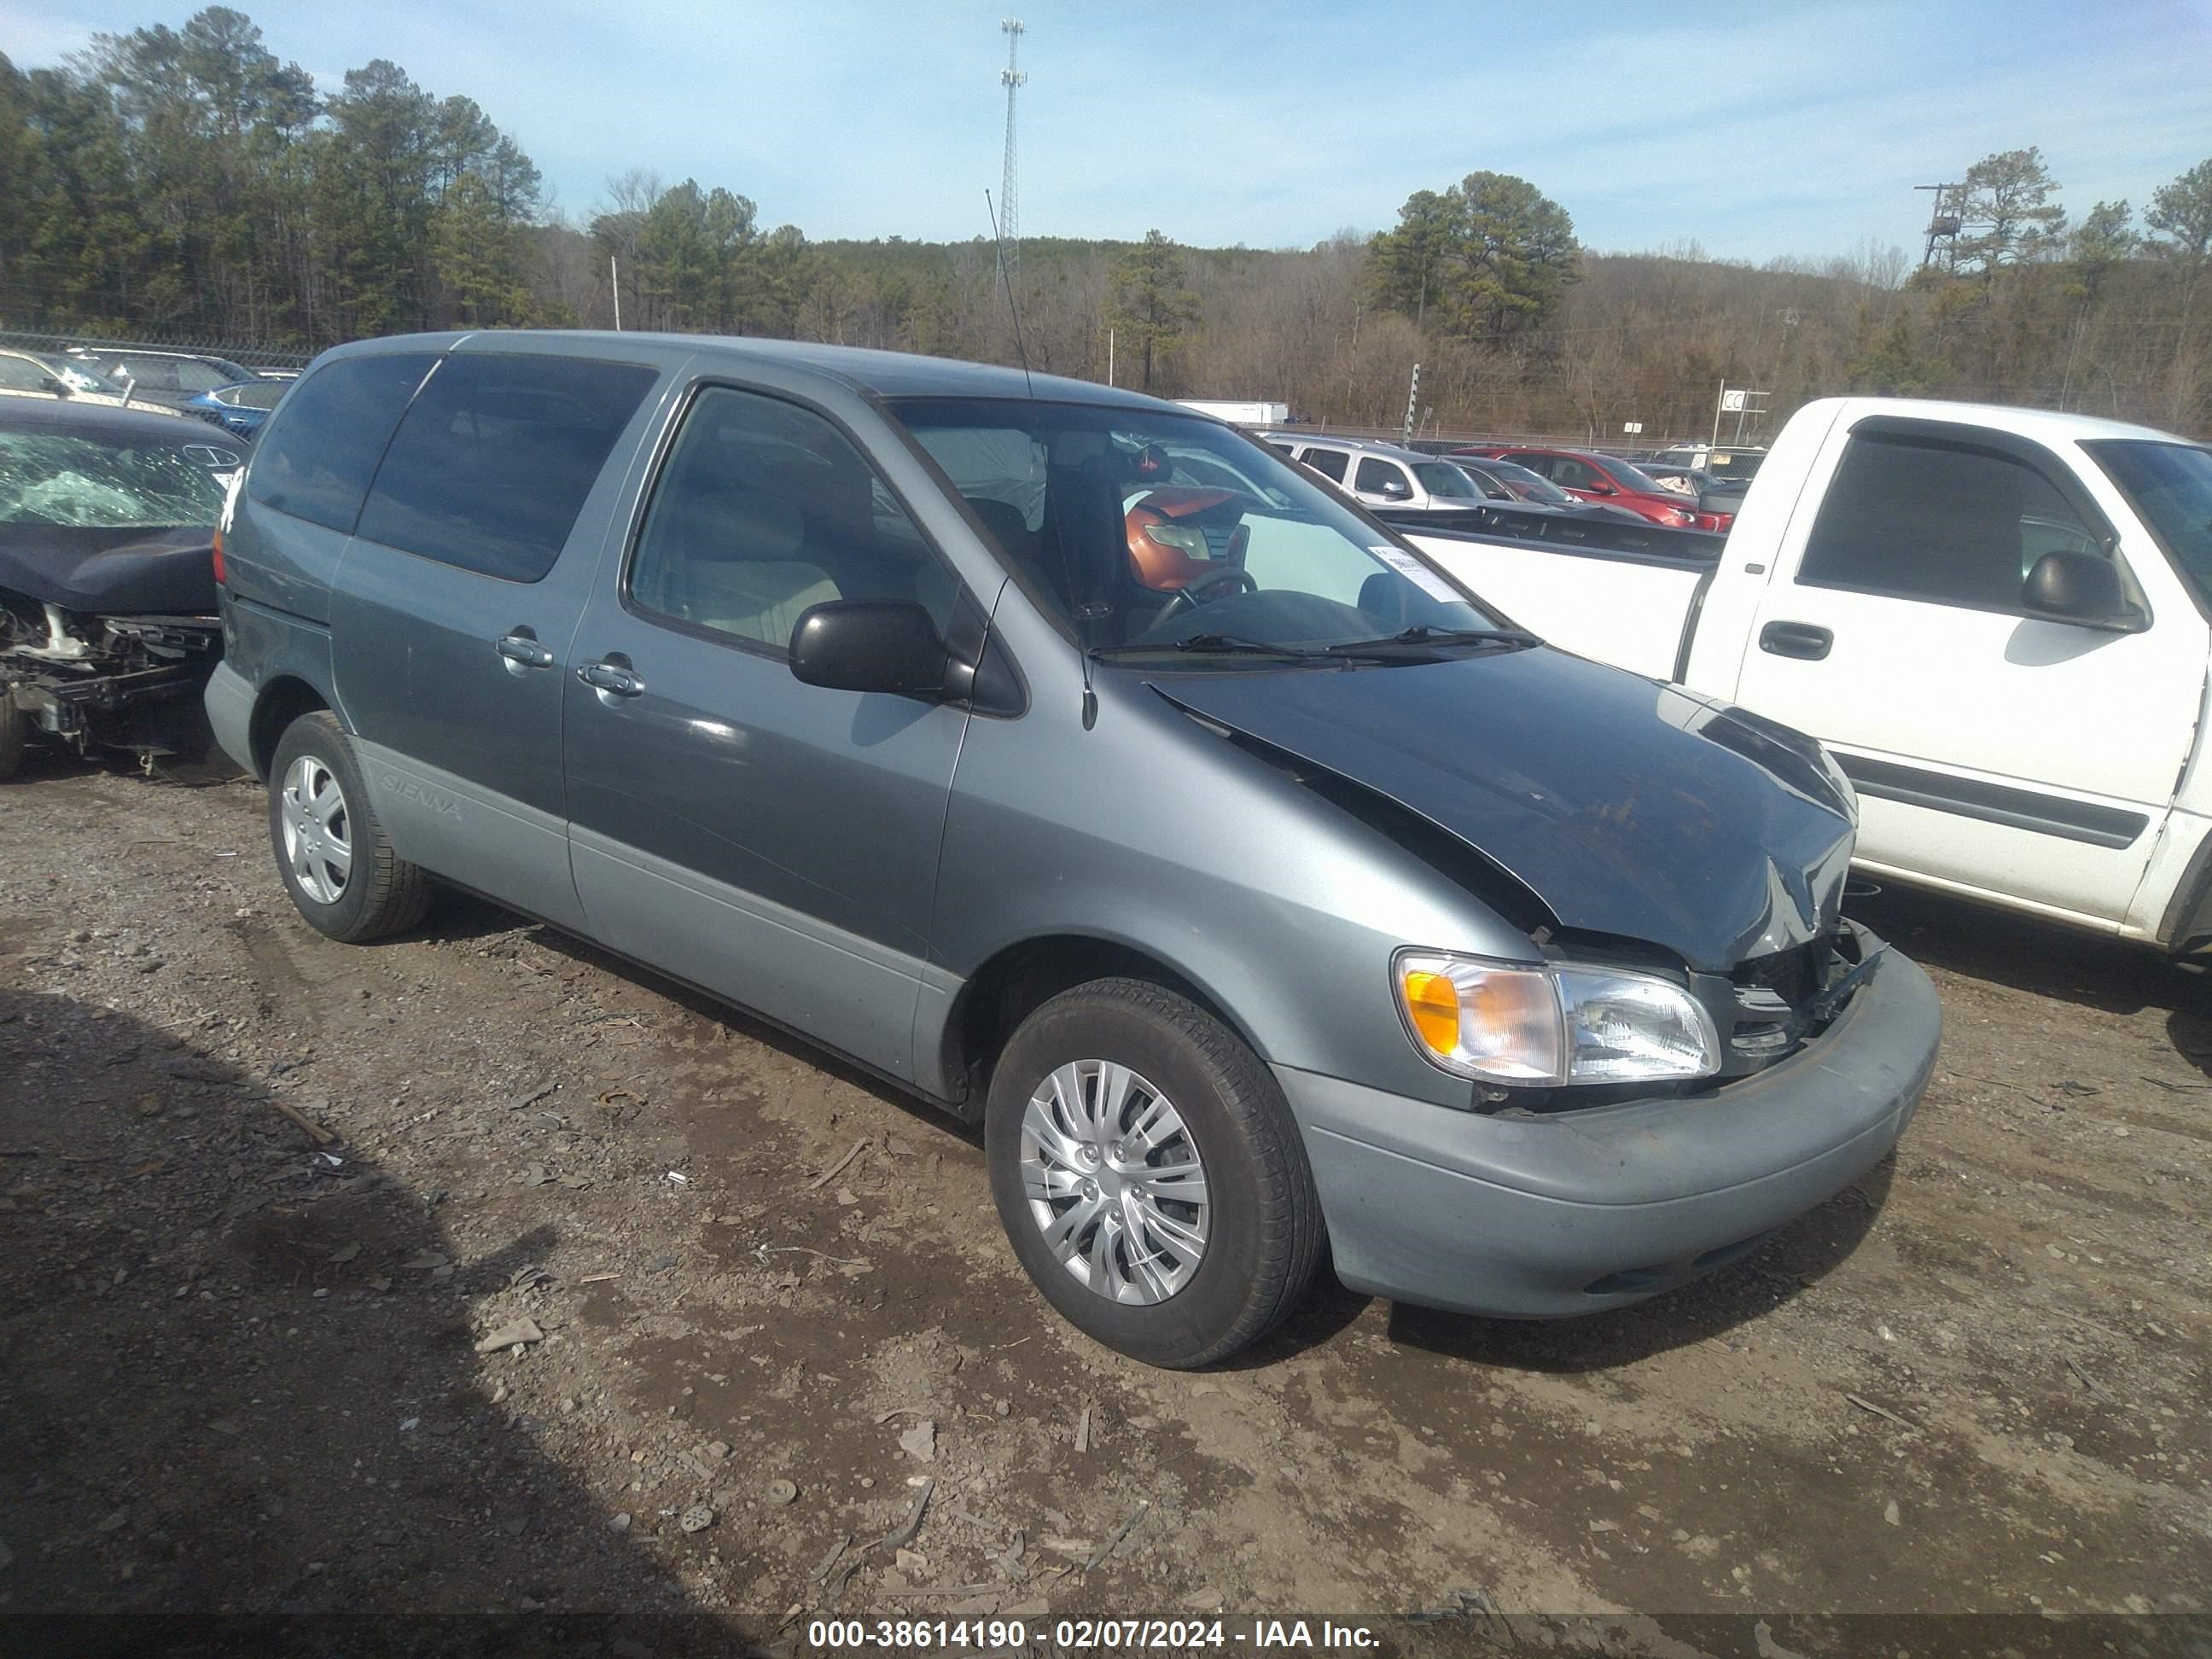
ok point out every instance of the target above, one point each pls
(734, 563)
(834, 495)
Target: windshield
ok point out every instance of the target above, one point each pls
(1528, 486)
(1441, 478)
(69, 478)
(2169, 487)
(1630, 477)
(1148, 531)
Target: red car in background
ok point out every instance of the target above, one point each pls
(1609, 479)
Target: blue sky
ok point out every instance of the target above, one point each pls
(1755, 130)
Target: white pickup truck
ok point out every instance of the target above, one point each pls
(1996, 619)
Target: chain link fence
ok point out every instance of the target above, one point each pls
(245, 354)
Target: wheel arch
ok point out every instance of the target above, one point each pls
(1021, 977)
(281, 701)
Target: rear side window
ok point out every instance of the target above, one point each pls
(316, 459)
(1946, 523)
(149, 373)
(1327, 462)
(193, 376)
(496, 453)
(1380, 478)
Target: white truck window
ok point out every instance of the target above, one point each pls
(1948, 523)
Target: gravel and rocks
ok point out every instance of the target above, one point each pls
(472, 1270)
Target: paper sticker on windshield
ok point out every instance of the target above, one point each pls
(1416, 573)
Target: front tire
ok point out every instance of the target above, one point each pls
(1150, 1176)
(331, 853)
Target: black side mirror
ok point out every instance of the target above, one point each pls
(2079, 588)
(864, 645)
(58, 386)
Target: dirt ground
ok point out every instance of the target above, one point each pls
(240, 1369)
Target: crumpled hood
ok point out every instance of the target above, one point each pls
(1628, 807)
(113, 571)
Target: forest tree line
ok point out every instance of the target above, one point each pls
(188, 183)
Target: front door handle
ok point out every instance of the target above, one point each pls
(1791, 639)
(520, 647)
(613, 677)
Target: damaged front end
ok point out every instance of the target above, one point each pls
(1677, 864)
(108, 612)
(80, 681)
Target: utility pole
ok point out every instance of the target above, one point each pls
(1412, 397)
(614, 281)
(1009, 204)
(1110, 356)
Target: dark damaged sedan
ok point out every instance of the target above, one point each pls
(1076, 763)
(107, 604)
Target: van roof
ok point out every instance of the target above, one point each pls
(885, 373)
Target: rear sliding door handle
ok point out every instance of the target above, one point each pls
(1790, 639)
(524, 650)
(610, 678)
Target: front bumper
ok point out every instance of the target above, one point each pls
(1540, 1218)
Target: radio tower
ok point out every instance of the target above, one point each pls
(1012, 79)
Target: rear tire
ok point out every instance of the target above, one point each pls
(1150, 1176)
(14, 735)
(335, 860)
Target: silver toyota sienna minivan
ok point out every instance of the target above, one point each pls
(1080, 765)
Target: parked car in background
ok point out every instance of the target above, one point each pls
(1607, 478)
(1715, 495)
(29, 375)
(1995, 617)
(1377, 474)
(1252, 884)
(239, 410)
(1734, 461)
(1509, 480)
(173, 378)
(107, 601)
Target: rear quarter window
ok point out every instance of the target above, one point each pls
(315, 459)
(494, 458)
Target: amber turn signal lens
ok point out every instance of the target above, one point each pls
(1432, 1002)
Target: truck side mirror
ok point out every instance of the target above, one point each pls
(862, 645)
(2079, 588)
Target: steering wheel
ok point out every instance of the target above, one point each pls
(1186, 596)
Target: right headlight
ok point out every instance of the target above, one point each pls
(1509, 1024)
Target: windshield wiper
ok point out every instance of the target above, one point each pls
(1210, 644)
(1420, 635)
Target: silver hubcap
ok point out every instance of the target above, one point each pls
(1115, 1182)
(317, 830)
